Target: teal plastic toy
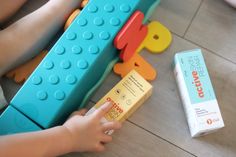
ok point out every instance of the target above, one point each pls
(15, 122)
(74, 67)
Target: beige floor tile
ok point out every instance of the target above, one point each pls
(163, 114)
(131, 141)
(215, 28)
(176, 14)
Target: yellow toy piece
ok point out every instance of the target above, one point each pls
(71, 18)
(158, 38)
(156, 41)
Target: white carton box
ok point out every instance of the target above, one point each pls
(197, 94)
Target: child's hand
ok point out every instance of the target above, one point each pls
(87, 133)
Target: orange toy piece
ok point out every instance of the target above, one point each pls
(21, 73)
(125, 41)
(156, 41)
(71, 18)
(74, 14)
(84, 3)
(139, 64)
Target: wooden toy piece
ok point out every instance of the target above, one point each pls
(139, 64)
(158, 38)
(84, 3)
(21, 73)
(71, 18)
(131, 36)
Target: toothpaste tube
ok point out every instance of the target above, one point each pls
(196, 92)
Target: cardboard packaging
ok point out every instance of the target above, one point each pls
(126, 97)
(197, 94)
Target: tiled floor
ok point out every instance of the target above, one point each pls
(159, 127)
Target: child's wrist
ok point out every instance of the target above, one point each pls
(67, 138)
(61, 140)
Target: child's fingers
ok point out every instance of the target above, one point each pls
(106, 138)
(81, 112)
(102, 110)
(111, 126)
(99, 147)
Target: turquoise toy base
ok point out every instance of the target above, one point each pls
(77, 64)
(12, 121)
(153, 5)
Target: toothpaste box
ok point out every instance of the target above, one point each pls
(197, 94)
(126, 97)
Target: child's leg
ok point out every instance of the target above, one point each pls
(9, 7)
(28, 36)
(232, 3)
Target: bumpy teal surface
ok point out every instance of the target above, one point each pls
(77, 63)
(16, 121)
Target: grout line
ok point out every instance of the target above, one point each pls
(183, 37)
(161, 138)
(92, 101)
(192, 19)
(157, 135)
(192, 42)
(211, 51)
